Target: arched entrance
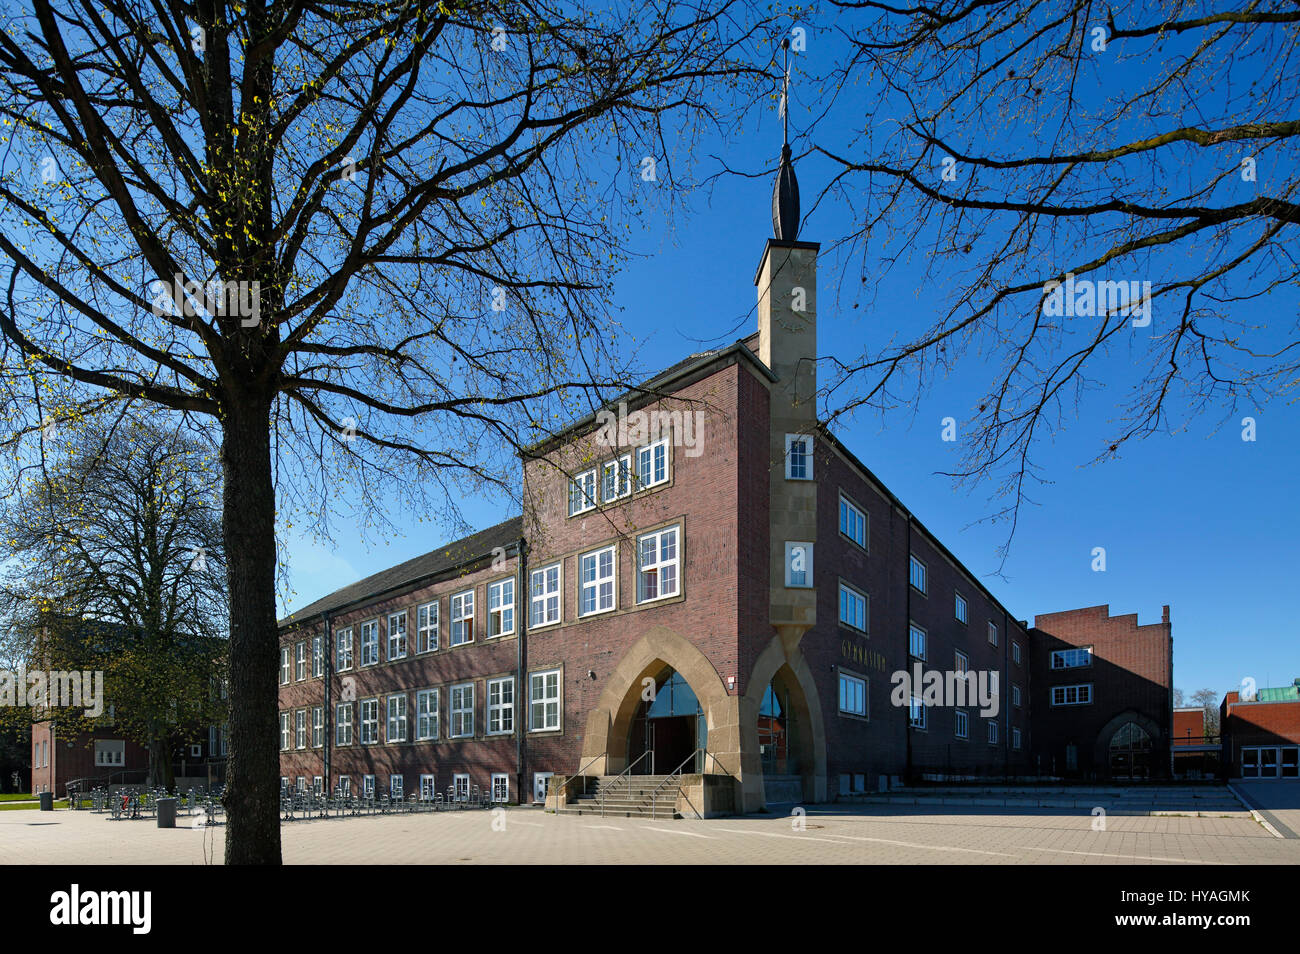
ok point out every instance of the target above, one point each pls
(668, 727)
(786, 744)
(1130, 752)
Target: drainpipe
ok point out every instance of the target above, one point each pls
(521, 664)
(1006, 709)
(327, 651)
(907, 648)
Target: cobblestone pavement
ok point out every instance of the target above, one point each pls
(833, 835)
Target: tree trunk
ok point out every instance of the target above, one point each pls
(160, 761)
(252, 797)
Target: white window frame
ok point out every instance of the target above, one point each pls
(503, 613)
(426, 627)
(317, 656)
(855, 682)
(108, 753)
(396, 727)
(1062, 693)
(397, 647)
(961, 724)
(343, 657)
(912, 631)
(345, 785)
(807, 547)
(367, 786)
(300, 728)
(300, 660)
(1067, 658)
(284, 665)
(1015, 695)
(852, 509)
(461, 718)
(317, 785)
(993, 731)
(960, 608)
(582, 492)
(396, 788)
(597, 584)
(960, 661)
(540, 703)
(370, 642)
(317, 727)
(460, 786)
(500, 712)
(915, 705)
(993, 633)
(286, 732)
(428, 788)
(500, 787)
(616, 479)
(1015, 652)
(658, 569)
(540, 599)
(806, 464)
(853, 593)
(913, 562)
(427, 725)
(645, 475)
(343, 723)
(368, 728)
(462, 621)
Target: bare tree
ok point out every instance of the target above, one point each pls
(115, 562)
(397, 219)
(1012, 146)
(1209, 700)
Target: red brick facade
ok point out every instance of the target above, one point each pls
(1260, 739)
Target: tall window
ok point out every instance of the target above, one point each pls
(853, 522)
(1015, 695)
(853, 695)
(597, 576)
(396, 787)
(853, 607)
(961, 724)
(397, 635)
(300, 661)
(616, 478)
(799, 565)
(1015, 651)
(343, 650)
(284, 732)
(300, 728)
(317, 657)
(657, 565)
(544, 595)
(960, 609)
(501, 608)
(462, 618)
(369, 721)
(343, 723)
(798, 457)
(284, 666)
(916, 574)
(317, 726)
(370, 643)
(916, 641)
(916, 713)
(1015, 738)
(462, 711)
(993, 732)
(652, 464)
(500, 787)
(367, 786)
(426, 714)
(961, 662)
(544, 700)
(582, 492)
(501, 706)
(426, 627)
(428, 788)
(993, 634)
(397, 718)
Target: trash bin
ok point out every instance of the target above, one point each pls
(166, 813)
(47, 801)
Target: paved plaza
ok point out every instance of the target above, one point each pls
(865, 834)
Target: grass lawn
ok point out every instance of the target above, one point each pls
(11, 806)
(17, 797)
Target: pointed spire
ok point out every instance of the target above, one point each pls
(785, 192)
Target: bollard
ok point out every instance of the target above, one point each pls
(166, 813)
(47, 801)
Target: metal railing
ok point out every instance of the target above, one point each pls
(677, 773)
(584, 766)
(626, 773)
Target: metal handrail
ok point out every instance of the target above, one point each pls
(600, 799)
(654, 796)
(584, 765)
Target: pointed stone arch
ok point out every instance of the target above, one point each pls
(780, 658)
(604, 743)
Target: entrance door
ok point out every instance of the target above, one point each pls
(668, 727)
(1268, 767)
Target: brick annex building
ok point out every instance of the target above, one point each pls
(709, 582)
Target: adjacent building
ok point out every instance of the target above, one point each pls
(1261, 733)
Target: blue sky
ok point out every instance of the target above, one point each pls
(1195, 518)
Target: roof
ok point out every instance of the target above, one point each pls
(447, 557)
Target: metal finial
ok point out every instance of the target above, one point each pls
(785, 192)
